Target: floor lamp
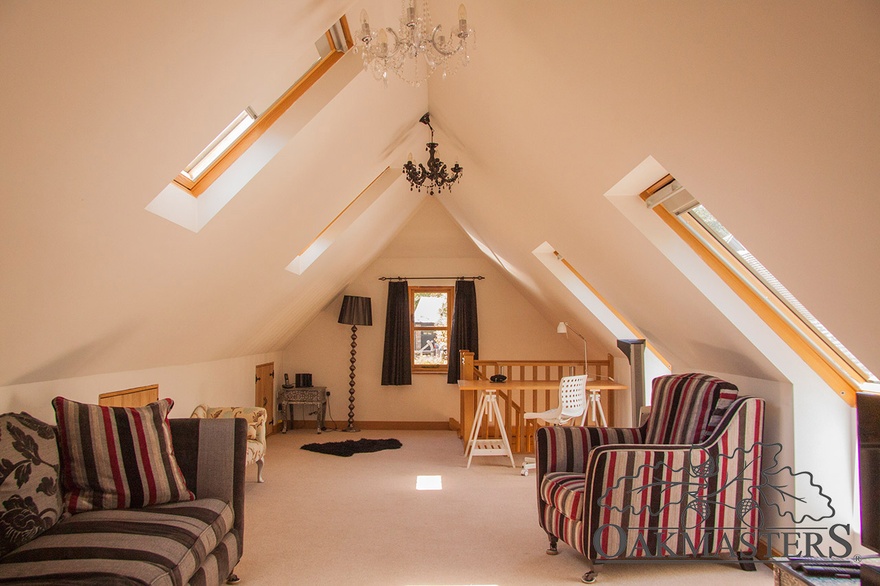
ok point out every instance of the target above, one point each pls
(563, 328)
(356, 311)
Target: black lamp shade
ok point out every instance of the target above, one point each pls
(356, 311)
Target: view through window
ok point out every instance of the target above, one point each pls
(431, 327)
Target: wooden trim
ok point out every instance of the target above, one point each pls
(450, 306)
(769, 296)
(345, 209)
(265, 121)
(791, 336)
(636, 332)
(309, 425)
(346, 32)
(136, 397)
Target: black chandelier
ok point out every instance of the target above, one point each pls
(435, 177)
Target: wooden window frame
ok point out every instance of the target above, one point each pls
(265, 121)
(822, 357)
(450, 304)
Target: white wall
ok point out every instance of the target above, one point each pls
(430, 245)
(222, 382)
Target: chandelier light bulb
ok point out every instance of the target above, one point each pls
(417, 47)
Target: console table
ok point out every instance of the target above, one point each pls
(316, 396)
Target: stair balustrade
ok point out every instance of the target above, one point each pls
(517, 402)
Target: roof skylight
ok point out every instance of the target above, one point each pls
(219, 145)
(754, 266)
(670, 196)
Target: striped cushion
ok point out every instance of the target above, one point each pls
(565, 492)
(686, 408)
(117, 457)
(161, 545)
(569, 530)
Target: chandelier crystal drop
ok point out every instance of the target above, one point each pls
(417, 48)
(435, 177)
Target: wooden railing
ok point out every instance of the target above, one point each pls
(517, 402)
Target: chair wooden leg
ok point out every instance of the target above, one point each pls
(746, 561)
(260, 470)
(590, 577)
(552, 549)
(233, 579)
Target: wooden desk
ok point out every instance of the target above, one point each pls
(529, 385)
(515, 407)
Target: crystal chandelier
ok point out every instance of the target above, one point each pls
(435, 175)
(417, 48)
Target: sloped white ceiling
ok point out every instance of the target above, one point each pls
(767, 112)
(762, 110)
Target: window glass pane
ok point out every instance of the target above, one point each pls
(219, 145)
(430, 309)
(430, 347)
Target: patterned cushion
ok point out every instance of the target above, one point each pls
(565, 492)
(29, 491)
(256, 431)
(686, 408)
(255, 416)
(161, 545)
(117, 457)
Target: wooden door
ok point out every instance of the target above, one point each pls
(264, 393)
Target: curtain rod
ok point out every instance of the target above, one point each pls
(476, 278)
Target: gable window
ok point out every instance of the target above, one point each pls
(431, 326)
(755, 284)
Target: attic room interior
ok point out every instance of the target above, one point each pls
(618, 161)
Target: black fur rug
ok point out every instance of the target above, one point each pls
(349, 447)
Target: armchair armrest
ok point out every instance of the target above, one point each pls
(212, 454)
(256, 417)
(566, 449)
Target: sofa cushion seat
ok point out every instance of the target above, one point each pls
(565, 492)
(158, 545)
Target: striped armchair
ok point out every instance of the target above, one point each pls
(683, 485)
(256, 431)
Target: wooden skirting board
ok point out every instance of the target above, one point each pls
(309, 424)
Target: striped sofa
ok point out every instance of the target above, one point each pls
(189, 542)
(682, 486)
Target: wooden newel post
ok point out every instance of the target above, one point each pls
(467, 399)
(466, 361)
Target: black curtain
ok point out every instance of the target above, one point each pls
(397, 358)
(464, 328)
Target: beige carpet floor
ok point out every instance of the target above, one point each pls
(321, 519)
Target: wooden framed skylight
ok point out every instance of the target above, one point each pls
(218, 147)
(757, 286)
(248, 126)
